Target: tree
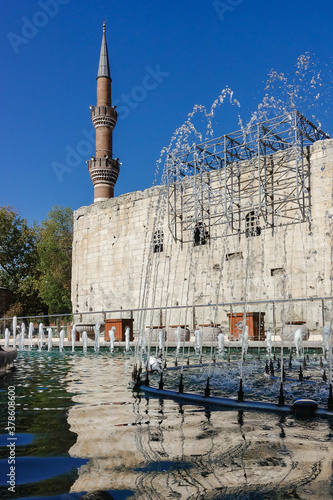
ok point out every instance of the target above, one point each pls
(55, 260)
(19, 261)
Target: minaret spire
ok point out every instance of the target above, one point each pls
(103, 168)
(104, 67)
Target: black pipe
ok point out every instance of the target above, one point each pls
(271, 367)
(330, 399)
(290, 362)
(281, 396)
(181, 385)
(240, 392)
(161, 383)
(207, 389)
(300, 376)
(266, 367)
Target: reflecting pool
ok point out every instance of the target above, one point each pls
(80, 428)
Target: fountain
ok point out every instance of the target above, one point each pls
(40, 336)
(30, 333)
(73, 337)
(14, 330)
(230, 247)
(298, 341)
(49, 339)
(22, 336)
(269, 342)
(197, 341)
(161, 338)
(97, 333)
(84, 340)
(325, 339)
(7, 336)
(142, 342)
(127, 339)
(220, 338)
(61, 339)
(245, 341)
(112, 338)
(177, 334)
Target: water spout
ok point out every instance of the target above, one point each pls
(161, 340)
(21, 341)
(298, 340)
(127, 339)
(325, 339)
(73, 337)
(198, 341)
(245, 340)
(61, 339)
(40, 336)
(30, 332)
(84, 340)
(142, 341)
(269, 342)
(177, 334)
(49, 339)
(220, 339)
(7, 335)
(96, 330)
(112, 338)
(14, 330)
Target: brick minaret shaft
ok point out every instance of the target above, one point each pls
(103, 168)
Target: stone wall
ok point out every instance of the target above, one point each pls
(115, 266)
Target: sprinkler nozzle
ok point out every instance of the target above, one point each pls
(281, 396)
(207, 389)
(181, 385)
(240, 392)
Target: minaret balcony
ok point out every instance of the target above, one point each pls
(103, 170)
(104, 116)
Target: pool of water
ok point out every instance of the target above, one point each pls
(80, 428)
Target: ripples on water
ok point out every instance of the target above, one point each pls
(80, 428)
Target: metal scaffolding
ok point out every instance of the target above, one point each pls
(244, 182)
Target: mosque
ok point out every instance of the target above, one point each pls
(242, 222)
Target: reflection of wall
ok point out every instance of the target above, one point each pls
(161, 452)
(113, 239)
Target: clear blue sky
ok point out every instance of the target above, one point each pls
(49, 59)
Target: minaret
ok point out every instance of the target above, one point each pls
(103, 168)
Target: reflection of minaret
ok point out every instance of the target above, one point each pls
(103, 168)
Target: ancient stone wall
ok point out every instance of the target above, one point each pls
(117, 265)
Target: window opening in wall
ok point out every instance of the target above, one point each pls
(200, 235)
(277, 271)
(252, 227)
(158, 241)
(234, 256)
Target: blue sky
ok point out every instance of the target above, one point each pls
(190, 49)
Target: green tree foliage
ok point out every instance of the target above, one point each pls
(19, 260)
(55, 260)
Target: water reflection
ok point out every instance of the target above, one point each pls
(80, 429)
(161, 450)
